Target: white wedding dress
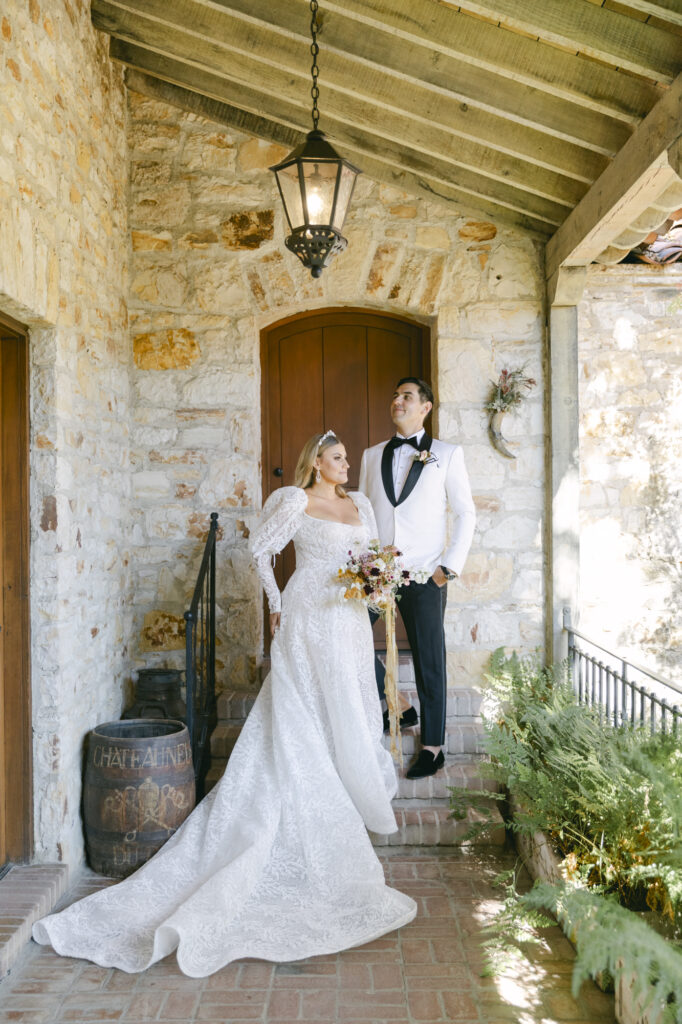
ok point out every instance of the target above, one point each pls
(275, 863)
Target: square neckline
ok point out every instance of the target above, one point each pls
(339, 522)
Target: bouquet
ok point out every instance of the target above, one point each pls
(374, 576)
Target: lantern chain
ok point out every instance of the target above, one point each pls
(314, 70)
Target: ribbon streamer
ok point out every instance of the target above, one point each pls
(391, 682)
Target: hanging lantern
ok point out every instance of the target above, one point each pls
(316, 185)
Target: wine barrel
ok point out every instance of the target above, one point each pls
(139, 788)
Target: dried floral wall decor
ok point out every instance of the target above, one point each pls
(506, 394)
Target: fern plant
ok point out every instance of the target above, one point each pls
(614, 940)
(609, 800)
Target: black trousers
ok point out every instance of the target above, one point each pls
(422, 609)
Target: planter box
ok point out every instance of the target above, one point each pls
(539, 857)
(628, 1009)
(542, 862)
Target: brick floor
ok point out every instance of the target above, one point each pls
(430, 971)
(26, 894)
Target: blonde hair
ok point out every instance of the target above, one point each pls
(305, 467)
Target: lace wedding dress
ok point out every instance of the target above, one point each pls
(275, 863)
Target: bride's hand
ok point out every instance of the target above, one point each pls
(274, 622)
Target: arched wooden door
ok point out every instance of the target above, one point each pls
(334, 369)
(15, 702)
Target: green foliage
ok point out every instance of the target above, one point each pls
(609, 800)
(614, 940)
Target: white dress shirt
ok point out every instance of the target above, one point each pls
(403, 458)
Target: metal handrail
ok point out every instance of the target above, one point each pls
(619, 699)
(200, 660)
(638, 668)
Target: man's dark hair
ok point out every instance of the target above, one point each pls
(425, 392)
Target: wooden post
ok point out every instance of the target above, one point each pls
(563, 492)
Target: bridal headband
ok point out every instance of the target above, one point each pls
(330, 433)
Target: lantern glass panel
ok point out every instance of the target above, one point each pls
(287, 178)
(346, 185)
(320, 183)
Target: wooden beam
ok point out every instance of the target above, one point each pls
(649, 164)
(566, 286)
(595, 31)
(662, 10)
(380, 170)
(382, 67)
(379, 159)
(448, 130)
(447, 32)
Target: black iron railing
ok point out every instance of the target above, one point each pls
(200, 661)
(622, 692)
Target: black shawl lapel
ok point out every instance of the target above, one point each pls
(415, 471)
(387, 473)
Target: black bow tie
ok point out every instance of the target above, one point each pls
(396, 442)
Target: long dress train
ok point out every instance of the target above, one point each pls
(275, 863)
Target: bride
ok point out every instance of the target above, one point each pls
(275, 863)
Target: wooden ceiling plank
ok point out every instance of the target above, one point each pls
(668, 11)
(354, 54)
(459, 36)
(265, 128)
(473, 135)
(611, 37)
(648, 167)
(348, 135)
(508, 55)
(614, 5)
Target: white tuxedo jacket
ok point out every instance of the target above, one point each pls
(417, 522)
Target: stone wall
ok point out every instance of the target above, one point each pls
(208, 271)
(631, 461)
(63, 273)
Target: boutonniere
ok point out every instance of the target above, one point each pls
(426, 458)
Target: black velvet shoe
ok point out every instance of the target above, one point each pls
(425, 764)
(409, 717)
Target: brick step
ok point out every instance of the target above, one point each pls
(215, 773)
(466, 738)
(26, 894)
(462, 703)
(426, 821)
(223, 739)
(456, 773)
(460, 738)
(433, 826)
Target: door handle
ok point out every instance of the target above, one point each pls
(278, 471)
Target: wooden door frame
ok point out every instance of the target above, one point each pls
(266, 377)
(15, 572)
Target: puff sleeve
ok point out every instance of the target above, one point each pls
(364, 507)
(282, 515)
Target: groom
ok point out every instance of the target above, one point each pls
(410, 481)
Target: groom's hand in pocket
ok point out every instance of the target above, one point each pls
(439, 577)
